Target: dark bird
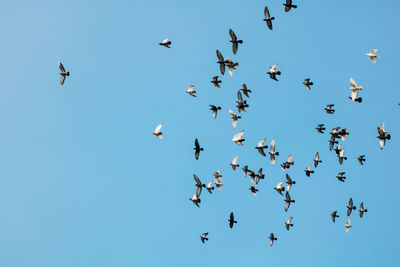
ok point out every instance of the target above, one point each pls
(231, 65)
(272, 153)
(221, 62)
(204, 237)
(198, 182)
(245, 90)
(288, 200)
(196, 197)
(241, 104)
(329, 109)
(235, 118)
(209, 187)
(197, 149)
(361, 159)
(260, 147)
(334, 216)
(332, 142)
(338, 149)
(260, 175)
(287, 164)
(320, 128)
(308, 171)
(288, 5)
(253, 176)
(214, 110)
(289, 182)
(341, 156)
(166, 43)
(308, 84)
(350, 207)
(245, 170)
(279, 188)
(63, 73)
(343, 134)
(215, 80)
(317, 160)
(273, 72)
(231, 220)
(341, 176)
(272, 238)
(362, 210)
(234, 163)
(288, 223)
(234, 41)
(268, 19)
(253, 190)
(383, 135)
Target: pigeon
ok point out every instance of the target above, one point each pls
(196, 197)
(341, 176)
(157, 132)
(273, 72)
(198, 182)
(338, 149)
(289, 182)
(235, 118)
(253, 176)
(348, 226)
(308, 171)
(279, 188)
(197, 149)
(234, 41)
(253, 190)
(209, 187)
(234, 163)
(166, 43)
(245, 90)
(329, 109)
(216, 82)
(221, 62)
(272, 152)
(362, 210)
(218, 183)
(343, 134)
(231, 66)
(288, 223)
(288, 200)
(334, 216)
(341, 156)
(332, 142)
(355, 89)
(63, 73)
(260, 175)
(245, 170)
(288, 163)
(214, 110)
(372, 55)
(320, 128)
(204, 237)
(217, 174)
(288, 5)
(308, 84)
(268, 19)
(383, 135)
(190, 91)
(241, 104)
(260, 147)
(317, 160)
(231, 220)
(237, 138)
(350, 207)
(272, 238)
(335, 132)
(361, 159)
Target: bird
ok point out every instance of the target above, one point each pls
(214, 110)
(166, 43)
(362, 210)
(273, 72)
(253, 190)
(355, 89)
(308, 171)
(157, 132)
(341, 156)
(231, 65)
(217, 174)
(288, 223)
(253, 176)
(361, 159)
(383, 135)
(260, 147)
(272, 238)
(197, 149)
(341, 176)
(287, 164)
(279, 188)
(231, 220)
(221, 62)
(245, 90)
(288, 5)
(268, 19)
(241, 104)
(204, 237)
(216, 82)
(334, 216)
(235, 118)
(343, 133)
(235, 42)
(234, 163)
(209, 187)
(329, 109)
(245, 170)
(308, 84)
(335, 133)
(218, 183)
(237, 138)
(289, 182)
(350, 207)
(320, 128)
(259, 175)
(198, 182)
(317, 160)
(348, 226)
(372, 55)
(63, 73)
(196, 197)
(190, 91)
(332, 142)
(272, 152)
(288, 200)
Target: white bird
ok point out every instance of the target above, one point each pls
(279, 188)
(288, 223)
(218, 183)
(237, 138)
(234, 118)
(190, 91)
(355, 89)
(272, 152)
(348, 225)
(166, 43)
(157, 132)
(209, 187)
(372, 55)
(234, 163)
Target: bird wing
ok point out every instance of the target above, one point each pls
(353, 83)
(60, 65)
(219, 55)
(198, 191)
(214, 113)
(234, 48)
(165, 40)
(209, 183)
(373, 51)
(261, 143)
(272, 147)
(266, 13)
(198, 182)
(350, 202)
(158, 128)
(290, 158)
(231, 216)
(234, 123)
(231, 112)
(191, 87)
(196, 143)
(235, 159)
(382, 143)
(238, 135)
(279, 185)
(354, 94)
(289, 220)
(341, 152)
(239, 96)
(273, 68)
(317, 156)
(62, 79)
(233, 35)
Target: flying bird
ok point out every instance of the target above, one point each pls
(197, 149)
(234, 163)
(260, 147)
(350, 207)
(221, 62)
(216, 82)
(241, 104)
(237, 138)
(272, 238)
(63, 73)
(361, 159)
(329, 109)
(288, 5)
(214, 110)
(317, 160)
(288, 200)
(245, 90)
(279, 188)
(259, 175)
(157, 132)
(273, 72)
(372, 55)
(234, 41)
(341, 156)
(165, 43)
(198, 182)
(332, 142)
(289, 182)
(334, 216)
(308, 84)
(288, 163)
(348, 226)
(320, 128)
(235, 118)
(253, 190)
(355, 89)
(218, 183)
(343, 133)
(245, 170)
(288, 223)
(204, 237)
(272, 152)
(253, 176)
(338, 149)
(362, 210)
(341, 176)
(196, 197)
(209, 187)
(383, 135)
(190, 91)
(308, 171)
(268, 19)
(231, 65)
(231, 220)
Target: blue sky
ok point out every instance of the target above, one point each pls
(83, 182)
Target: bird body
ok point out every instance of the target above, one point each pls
(63, 73)
(288, 223)
(289, 5)
(235, 118)
(279, 188)
(272, 153)
(191, 91)
(317, 160)
(308, 171)
(157, 132)
(237, 138)
(260, 147)
(273, 72)
(350, 207)
(231, 220)
(334, 216)
(216, 82)
(204, 237)
(372, 55)
(308, 84)
(348, 226)
(214, 110)
(383, 135)
(197, 149)
(234, 41)
(234, 163)
(329, 109)
(267, 18)
(166, 43)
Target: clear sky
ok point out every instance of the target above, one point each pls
(83, 182)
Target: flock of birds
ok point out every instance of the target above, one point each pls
(336, 134)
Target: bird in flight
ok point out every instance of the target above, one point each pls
(214, 110)
(204, 237)
(308, 170)
(383, 135)
(361, 159)
(231, 220)
(334, 216)
(348, 226)
(289, 182)
(190, 91)
(166, 43)
(288, 5)
(350, 207)
(288, 200)
(268, 19)
(221, 62)
(372, 55)
(235, 42)
(215, 80)
(237, 138)
(253, 190)
(355, 89)
(341, 176)
(245, 90)
(63, 73)
(329, 109)
(272, 153)
(157, 132)
(273, 72)
(279, 188)
(288, 223)
(308, 84)
(362, 210)
(272, 238)
(260, 147)
(235, 118)
(231, 65)
(320, 128)
(197, 148)
(317, 160)
(234, 163)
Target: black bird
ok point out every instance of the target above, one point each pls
(335, 133)
(273, 72)
(231, 65)
(234, 41)
(341, 176)
(253, 190)
(308, 84)
(288, 200)
(272, 238)
(289, 182)
(241, 104)
(343, 134)
(198, 182)
(204, 237)
(288, 5)
(260, 175)
(268, 19)
(279, 188)
(245, 170)
(216, 82)
(253, 176)
(317, 160)
(260, 147)
(308, 171)
(288, 223)
(383, 135)
(197, 148)
(361, 159)
(362, 210)
(63, 73)
(338, 149)
(350, 207)
(231, 220)
(334, 216)
(288, 163)
(221, 62)
(214, 110)
(166, 43)
(320, 128)
(329, 109)
(332, 142)
(245, 90)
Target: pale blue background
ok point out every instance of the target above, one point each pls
(83, 182)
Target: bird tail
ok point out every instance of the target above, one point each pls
(199, 200)
(201, 149)
(311, 83)
(278, 73)
(205, 238)
(240, 42)
(67, 73)
(388, 137)
(277, 153)
(294, 6)
(273, 18)
(235, 221)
